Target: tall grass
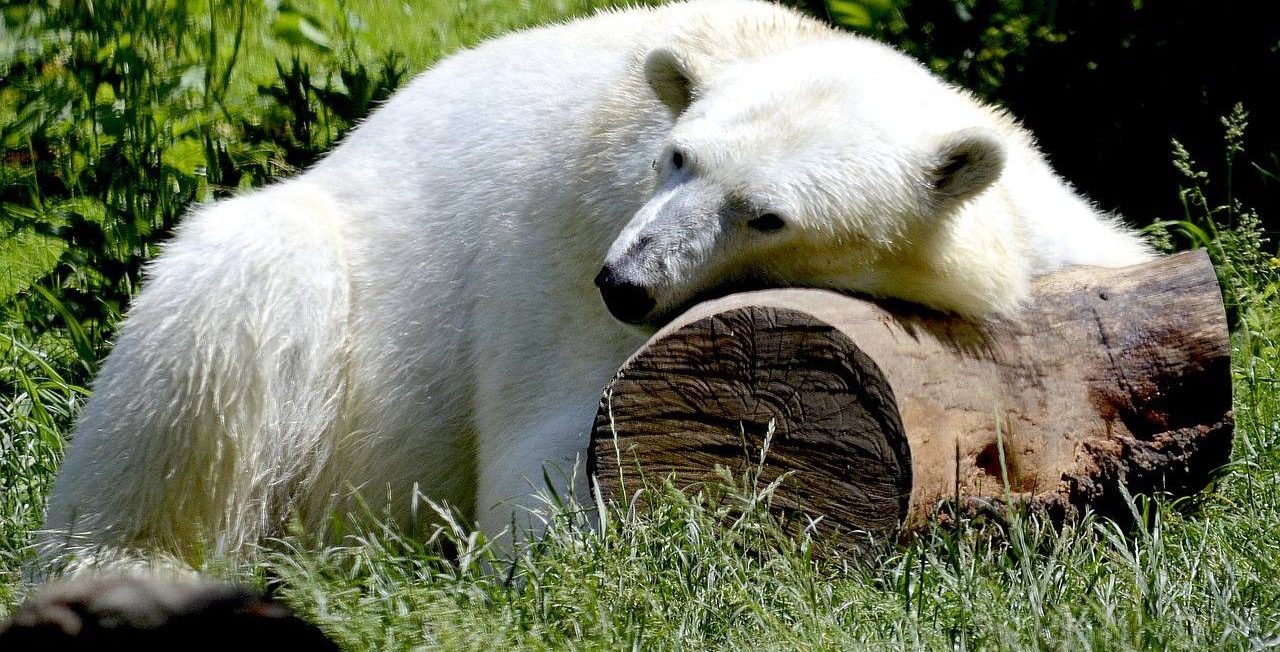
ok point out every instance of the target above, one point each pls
(110, 128)
(36, 413)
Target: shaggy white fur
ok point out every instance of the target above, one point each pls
(418, 311)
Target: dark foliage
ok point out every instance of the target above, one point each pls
(119, 125)
(1106, 84)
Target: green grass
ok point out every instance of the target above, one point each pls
(89, 188)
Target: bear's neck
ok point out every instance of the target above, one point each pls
(1060, 227)
(980, 260)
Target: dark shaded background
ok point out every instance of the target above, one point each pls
(1106, 84)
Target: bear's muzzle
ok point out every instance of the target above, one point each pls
(628, 302)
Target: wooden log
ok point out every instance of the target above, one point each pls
(1109, 378)
(155, 612)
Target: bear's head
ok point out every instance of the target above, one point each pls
(829, 165)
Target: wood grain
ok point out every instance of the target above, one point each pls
(709, 392)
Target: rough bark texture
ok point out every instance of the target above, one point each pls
(1110, 378)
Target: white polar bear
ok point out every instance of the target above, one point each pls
(418, 312)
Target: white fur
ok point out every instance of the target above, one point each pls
(418, 308)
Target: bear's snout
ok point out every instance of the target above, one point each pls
(629, 302)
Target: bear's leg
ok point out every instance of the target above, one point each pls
(225, 389)
(513, 493)
(537, 389)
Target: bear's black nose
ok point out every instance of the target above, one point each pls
(625, 300)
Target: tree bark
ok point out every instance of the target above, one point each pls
(1108, 379)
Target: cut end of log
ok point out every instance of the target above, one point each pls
(719, 390)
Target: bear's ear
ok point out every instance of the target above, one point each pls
(965, 163)
(671, 78)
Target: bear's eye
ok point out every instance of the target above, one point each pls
(677, 160)
(767, 223)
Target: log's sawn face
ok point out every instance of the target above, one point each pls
(1110, 378)
(707, 393)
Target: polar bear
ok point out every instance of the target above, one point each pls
(433, 309)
